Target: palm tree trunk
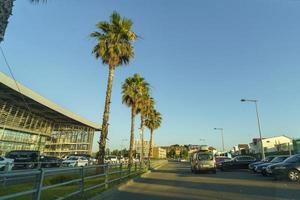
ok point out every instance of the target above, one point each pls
(150, 145)
(104, 130)
(142, 138)
(5, 12)
(133, 113)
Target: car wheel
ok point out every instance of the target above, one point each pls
(293, 175)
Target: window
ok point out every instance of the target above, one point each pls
(205, 156)
(293, 159)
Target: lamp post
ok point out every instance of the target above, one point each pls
(258, 123)
(221, 129)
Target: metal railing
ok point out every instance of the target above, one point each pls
(104, 174)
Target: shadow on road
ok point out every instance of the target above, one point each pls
(175, 181)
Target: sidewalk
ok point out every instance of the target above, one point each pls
(111, 193)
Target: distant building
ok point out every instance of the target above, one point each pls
(138, 147)
(159, 153)
(240, 149)
(271, 144)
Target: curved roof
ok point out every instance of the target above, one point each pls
(10, 91)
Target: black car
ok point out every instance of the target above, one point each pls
(266, 160)
(238, 162)
(24, 159)
(290, 168)
(50, 161)
(262, 167)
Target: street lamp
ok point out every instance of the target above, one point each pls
(258, 123)
(221, 129)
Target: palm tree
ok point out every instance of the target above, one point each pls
(114, 47)
(6, 7)
(133, 91)
(145, 107)
(152, 122)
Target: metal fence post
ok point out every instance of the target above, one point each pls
(6, 168)
(39, 185)
(121, 168)
(39, 166)
(81, 180)
(106, 175)
(5, 171)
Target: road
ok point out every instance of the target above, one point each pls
(174, 181)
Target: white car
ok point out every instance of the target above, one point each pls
(6, 162)
(75, 161)
(112, 159)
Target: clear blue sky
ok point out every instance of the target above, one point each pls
(200, 56)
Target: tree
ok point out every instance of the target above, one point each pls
(145, 106)
(133, 91)
(152, 122)
(114, 47)
(6, 7)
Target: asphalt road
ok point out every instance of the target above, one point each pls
(174, 181)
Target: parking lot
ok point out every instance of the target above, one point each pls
(175, 181)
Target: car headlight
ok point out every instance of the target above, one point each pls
(280, 167)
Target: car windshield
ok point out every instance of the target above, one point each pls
(205, 156)
(278, 159)
(268, 159)
(73, 158)
(293, 159)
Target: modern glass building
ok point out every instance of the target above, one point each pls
(29, 121)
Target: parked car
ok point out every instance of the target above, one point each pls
(112, 159)
(75, 161)
(238, 162)
(290, 168)
(50, 161)
(24, 159)
(203, 161)
(6, 162)
(262, 167)
(266, 160)
(220, 159)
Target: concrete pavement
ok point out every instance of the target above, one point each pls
(174, 181)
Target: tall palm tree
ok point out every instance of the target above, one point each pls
(152, 122)
(145, 106)
(114, 47)
(133, 91)
(6, 7)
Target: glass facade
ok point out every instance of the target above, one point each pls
(21, 129)
(15, 140)
(66, 139)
